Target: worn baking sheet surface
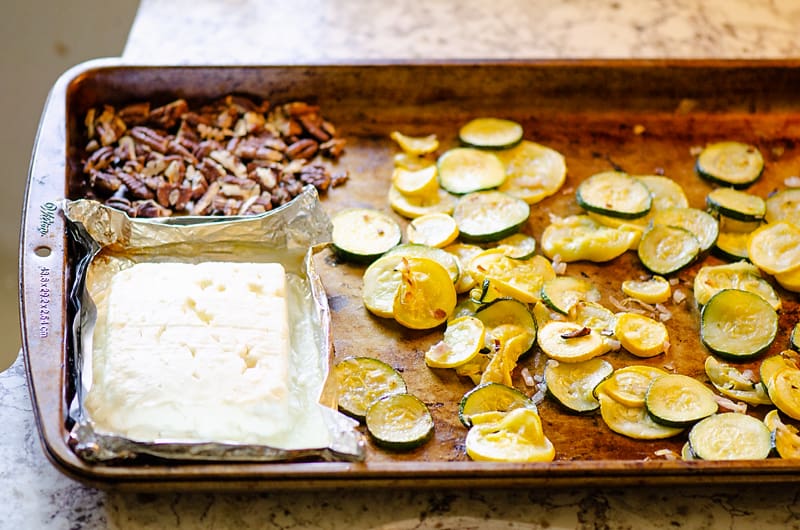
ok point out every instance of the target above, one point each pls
(641, 117)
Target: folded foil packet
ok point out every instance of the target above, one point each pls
(199, 338)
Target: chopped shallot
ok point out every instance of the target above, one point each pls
(727, 404)
(527, 377)
(792, 182)
(669, 454)
(678, 296)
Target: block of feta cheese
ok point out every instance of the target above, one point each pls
(193, 352)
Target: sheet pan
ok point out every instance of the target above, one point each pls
(640, 116)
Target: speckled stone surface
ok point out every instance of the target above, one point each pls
(37, 496)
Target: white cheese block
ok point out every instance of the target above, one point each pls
(196, 352)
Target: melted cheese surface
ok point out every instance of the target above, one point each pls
(196, 352)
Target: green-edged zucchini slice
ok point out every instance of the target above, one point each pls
(533, 172)
(678, 400)
(505, 312)
(399, 422)
(730, 436)
(738, 325)
(491, 398)
(615, 194)
(730, 163)
(784, 206)
(732, 246)
(711, 279)
(489, 216)
(572, 384)
(794, 340)
(733, 384)
(633, 422)
(464, 170)
(687, 455)
(736, 204)
(704, 227)
(490, 133)
(362, 234)
(562, 293)
(517, 246)
(364, 380)
(666, 249)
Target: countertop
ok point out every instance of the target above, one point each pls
(307, 31)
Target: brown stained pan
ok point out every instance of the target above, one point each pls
(640, 116)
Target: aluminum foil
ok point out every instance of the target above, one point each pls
(107, 241)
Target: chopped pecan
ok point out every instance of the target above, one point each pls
(333, 148)
(109, 126)
(339, 178)
(150, 208)
(135, 114)
(151, 138)
(136, 187)
(312, 123)
(167, 116)
(104, 184)
(100, 159)
(305, 149)
(203, 204)
(317, 176)
(173, 196)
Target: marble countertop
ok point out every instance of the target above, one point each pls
(308, 31)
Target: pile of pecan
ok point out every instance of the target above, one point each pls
(231, 157)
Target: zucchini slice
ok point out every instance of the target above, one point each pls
(789, 280)
(572, 384)
(570, 342)
(633, 422)
(464, 252)
(364, 380)
(486, 292)
(784, 206)
(416, 183)
(666, 249)
(382, 278)
(462, 342)
(733, 384)
(426, 296)
(771, 366)
(666, 192)
(775, 248)
(579, 237)
(504, 314)
(736, 204)
(533, 172)
(433, 229)
(628, 385)
(596, 317)
(464, 170)
(399, 422)
(678, 400)
(491, 398)
(520, 279)
(785, 437)
(411, 207)
(563, 293)
(733, 164)
(490, 133)
(362, 234)
(711, 279)
(489, 216)
(704, 227)
(517, 246)
(794, 339)
(641, 335)
(730, 436)
(415, 145)
(413, 250)
(615, 194)
(738, 325)
(784, 391)
(654, 290)
(732, 246)
(513, 437)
